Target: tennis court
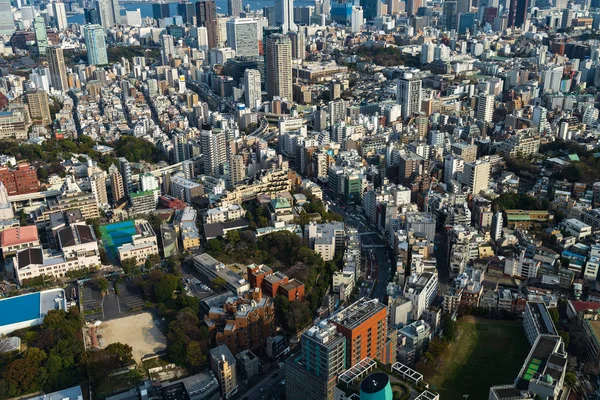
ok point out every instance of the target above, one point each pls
(116, 235)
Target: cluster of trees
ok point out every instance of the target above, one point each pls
(380, 55)
(116, 53)
(158, 286)
(137, 149)
(510, 201)
(55, 357)
(293, 316)
(187, 341)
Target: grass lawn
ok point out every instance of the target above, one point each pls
(485, 353)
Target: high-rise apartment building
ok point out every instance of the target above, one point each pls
(313, 374)
(476, 176)
(485, 107)
(39, 110)
(242, 36)
(412, 6)
(98, 186)
(214, 150)
(125, 170)
(234, 7)
(279, 65)
(95, 43)
(181, 149)
(206, 16)
(58, 72)
(284, 15)
(118, 190)
(167, 49)
(59, 15)
(517, 13)
(223, 366)
(252, 89)
(237, 170)
(41, 37)
(364, 325)
(409, 94)
(7, 23)
(298, 45)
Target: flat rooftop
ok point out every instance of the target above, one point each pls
(29, 306)
(357, 313)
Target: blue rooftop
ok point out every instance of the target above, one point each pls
(19, 309)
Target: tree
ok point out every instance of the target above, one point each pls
(571, 379)
(218, 282)
(122, 352)
(164, 288)
(554, 314)
(232, 236)
(194, 355)
(128, 265)
(213, 246)
(566, 338)
(26, 375)
(450, 328)
(102, 284)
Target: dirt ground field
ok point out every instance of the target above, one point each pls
(138, 331)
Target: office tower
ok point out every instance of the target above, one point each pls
(7, 23)
(313, 374)
(237, 170)
(118, 188)
(92, 16)
(284, 15)
(485, 107)
(181, 149)
(133, 18)
(223, 366)
(41, 37)
(98, 186)
(279, 64)
(109, 12)
(125, 170)
(242, 36)
(39, 110)
(252, 90)
(206, 16)
(186, 10)
(270, 14)
(58, 73)
(450, 15)
(476, 176)
(412, 6)
(463, 6)
(517, 13)
(214, 150)
(364, 325)
(371, 9)
(95, 45)
(160, 10)
(394, 7)
(567, 18)
(466, 22)
(167, 49)
(59, 16)
(234, 7)
(408, 95)
(298, 45)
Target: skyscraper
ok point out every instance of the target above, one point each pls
(242, 36)
(476, 176)
(160, 10)
(463, 6)
(118, 190)
(7, 23)
(41, 37)
(517, 13)
(109, 12)
(181, 150)
(237, 170)
(167, 49)
(234, 7)
(206, 16)
(92, 16)
(56, 64)
(59, 16)
(284, 15)
(186, 10)
(298, 45)
(314, 373)
(412, 6)
(485, 107)
(279, 65)
(39, 110)
(95, 45)
(371, 8)
(252, 90)
(98, 186)
(214, 150)
(450, 15)
(408, 95)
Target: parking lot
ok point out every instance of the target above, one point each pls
(125, 300)
(92, 301)
(195, 287)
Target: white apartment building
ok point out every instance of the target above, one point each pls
(576, 228)
(421, 290)
(222, 214)
(537, 321)
(143, 244)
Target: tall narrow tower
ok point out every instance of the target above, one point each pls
(279, 65)
(56, 64)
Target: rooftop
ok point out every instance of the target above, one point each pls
(357, 313)
(22, 234)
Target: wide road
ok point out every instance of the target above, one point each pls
(372, 240)
(268, 388)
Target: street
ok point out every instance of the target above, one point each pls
(269, 388)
